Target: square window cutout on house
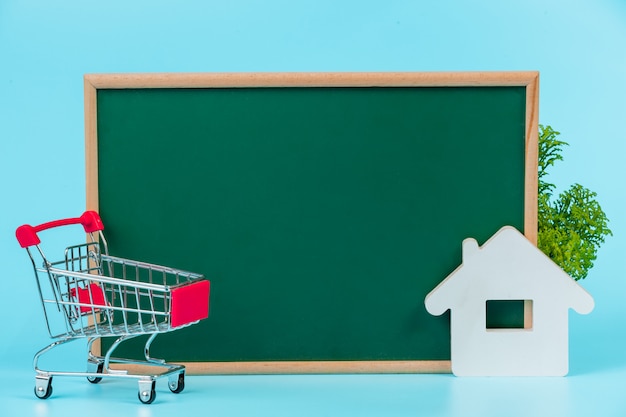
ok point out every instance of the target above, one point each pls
(509, 314)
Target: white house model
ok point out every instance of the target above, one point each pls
(508, 267)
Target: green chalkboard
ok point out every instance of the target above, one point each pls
(322, 212)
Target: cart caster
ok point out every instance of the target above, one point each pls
(96, 368)
(147, 392)
(43, 387)
(176, 383)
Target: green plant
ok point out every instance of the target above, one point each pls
(572, 226)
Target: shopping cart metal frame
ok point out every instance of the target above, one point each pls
(90, 294)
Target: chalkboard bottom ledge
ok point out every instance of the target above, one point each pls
(317, 367)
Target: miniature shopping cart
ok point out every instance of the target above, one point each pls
(89, 294)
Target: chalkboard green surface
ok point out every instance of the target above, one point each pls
(322, 214)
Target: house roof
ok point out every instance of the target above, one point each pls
(507, 267)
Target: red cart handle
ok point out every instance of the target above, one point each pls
(27, 234)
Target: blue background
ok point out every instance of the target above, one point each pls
(578, 47)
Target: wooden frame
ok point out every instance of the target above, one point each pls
(527, 79)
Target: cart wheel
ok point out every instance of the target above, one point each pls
(147, 396)
(43, 388)
(177, 385)
(96, 379)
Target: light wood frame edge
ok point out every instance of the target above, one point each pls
(527, 79)
(310, 79)
(318, 367)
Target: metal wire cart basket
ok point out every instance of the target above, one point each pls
(89, 294)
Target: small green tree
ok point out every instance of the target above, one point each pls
(573, 226)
